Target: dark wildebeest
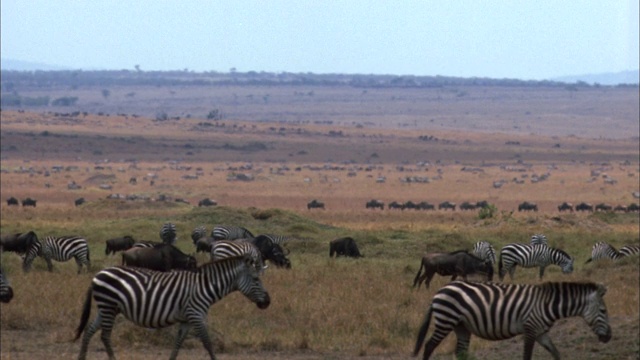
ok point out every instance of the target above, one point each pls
(6, 292)
(583, 206)
(633, 207)
(447, 205)
(565, 206)
(18, 243)
(528, 206)
(621, 208)
(604, 207)
(119, 244)
(163, 257)
(396, 205)
(29, 202)
(482, 204)
(207, 202)
(271, 251)
(79, 201)
(373, 204)
(345, 246)
(454, 264)
(315, 204)
(467, 206)
(12, 201)
(423, 205)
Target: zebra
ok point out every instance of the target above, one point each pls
(224, 232)
(528, 256)
(60, 249)
(495, 311)
(6, 292)
(168, 233)
(602, 250)
(159, 299)
(198, 233)
(629, 250)
(224, 249)
(484, 251)
(538, 239)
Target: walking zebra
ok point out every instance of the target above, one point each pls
(528, 256)
(6, 292)
(155, 299)
(224, 232)
(59, 249)
(484, 251)
(630, 250)
(538, 239)
(501, 311)
(602, 250)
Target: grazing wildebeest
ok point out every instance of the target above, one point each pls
(19, 243)
(29, 202)
(396, 205)
(565, 206)
(12, 201)
(271, 251)
(603, 207)
(633, 207)
(468, 206)
(79, 201)
(454, 264)
(528, 206)
(423, 205)
(162, 257)
(447, 205)
(373, 204)
(482, 204)
(119, 244)
(410, 205)
(345, 246)
(207, 202)
(583, 206)
(315, 204)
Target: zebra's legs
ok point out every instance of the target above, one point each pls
(463, 339)
(86, 338)
(49, 264)
(183, 331)
(79, 263)
(106, 326)
(545, 341)
(541, 272)
(203, 334)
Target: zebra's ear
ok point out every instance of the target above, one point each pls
(602, 289)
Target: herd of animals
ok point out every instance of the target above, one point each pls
(182, 291)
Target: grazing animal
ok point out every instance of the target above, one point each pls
(119, 244)
(604, 207)
(271, 251)
(584, 207)
(79, 201)
(454, 264)
(528, 256)
(633, 207)
(447, 205)
(12, 201)
(19, 243)
(396, 205)
(168, 233)
(565, 206)
(29, 202)
(630, 250)
(423, 205)
(164, 257)
(225, 249)
(345, 246)
(225, 232)
(155, 300)
(485, 251)
(527, 206)
(602, 250)
(59, 249)
(501, 311)
(315, 204)
(6, 292)
(468, 206)
(538, 239)
(207, 202)
(200, 239)
(373, 204)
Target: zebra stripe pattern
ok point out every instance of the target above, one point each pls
(168, 233)
(484, 251)
(602, 250)
(630, 250)
(528, 256)
(224, 249)
(501, 311)
(198, 233)
(279, 239)
(223, 232)
(6, 292)
(159, 299)
(59, 249)
(539, 239)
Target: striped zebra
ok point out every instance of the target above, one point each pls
(6, 292)
(602, 250)
(159, 299)
(484, 251)
(198, 233)
(278, 239)
(224, 232)
(59, 249)
(496, 311)
(224, 249)
(168, 233)
(538, 239)
(528, 256)
(630, 250)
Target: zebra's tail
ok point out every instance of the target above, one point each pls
(86, 311)
(417, 278)
(500, 273)
(422, 333)
(588, 261)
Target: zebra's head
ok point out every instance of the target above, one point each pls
(251, 286)
(595, 313)
(564, 261)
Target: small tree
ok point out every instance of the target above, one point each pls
(487, 212)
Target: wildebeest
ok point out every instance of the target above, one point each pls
(583, 206)
(447, 205)
(6, 292)
(119, 244)
(315, 204)
(603, 207)
(454, 264)
(482, 204)
(162, 257)
(565, 206)
(207, 202)
(373, 204)
(468, 206)
(633, 207)
(18, 243)
(528, 206)
(423, 205)
(271, 251)
(12, 201)
(396, 205)
(79, 201)
(345, 246)
(29, 202)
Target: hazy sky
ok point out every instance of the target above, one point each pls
(484, 38)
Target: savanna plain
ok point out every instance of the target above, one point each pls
(501, 145)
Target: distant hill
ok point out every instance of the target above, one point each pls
(19, 65)
(623, 77)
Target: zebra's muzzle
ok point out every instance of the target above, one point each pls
(604, 338)
(264, 303)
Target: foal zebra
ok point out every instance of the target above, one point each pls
(159, 299)
(59, 249)
(528, 256)
(484, 251)
(6, 292)
(602, 250)
(225, 232)
(501, 311)
(630, 250)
